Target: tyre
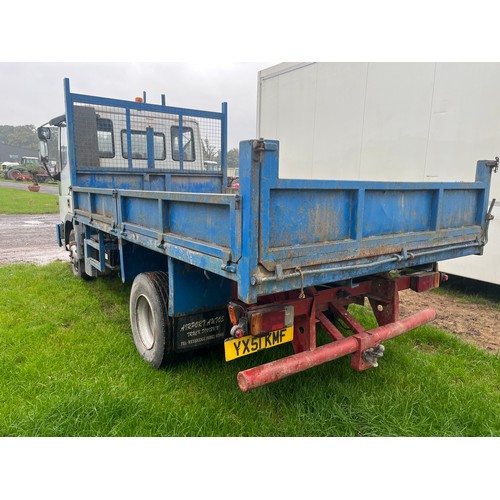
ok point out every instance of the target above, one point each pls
(77, 263)
(151, 327)
(13, 174)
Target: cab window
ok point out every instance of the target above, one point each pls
(105, 140)
(139, 144)
(187, 142)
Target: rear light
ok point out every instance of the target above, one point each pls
(263, 322)
(233, 314)
(269, 320)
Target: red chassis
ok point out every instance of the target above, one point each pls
(364, 345)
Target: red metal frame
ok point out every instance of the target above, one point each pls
(383, 296)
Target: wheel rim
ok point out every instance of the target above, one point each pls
(145, 322)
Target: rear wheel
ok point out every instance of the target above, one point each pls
(151, 327)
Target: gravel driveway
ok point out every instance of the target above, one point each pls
(29, 238)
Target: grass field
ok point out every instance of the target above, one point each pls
(69, 368)
(15, 201)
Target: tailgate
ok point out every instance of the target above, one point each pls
(312, 232)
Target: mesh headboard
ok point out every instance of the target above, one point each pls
(87, 150)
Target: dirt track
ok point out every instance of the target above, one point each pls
(473, 323)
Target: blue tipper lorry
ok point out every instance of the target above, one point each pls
(143, 192)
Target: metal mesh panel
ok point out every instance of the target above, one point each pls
(124, 138)
(210, 134)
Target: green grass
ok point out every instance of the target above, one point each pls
(469, 291)
(68, 367)
(15, 201)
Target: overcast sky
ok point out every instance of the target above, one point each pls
(32, 93)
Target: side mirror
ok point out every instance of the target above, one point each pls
(44, 151)
(43, 133)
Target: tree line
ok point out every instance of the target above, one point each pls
(233, 158)
(24, 136)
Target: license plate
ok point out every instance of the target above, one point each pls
(237, 348)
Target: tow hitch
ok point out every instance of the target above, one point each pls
(372, 354)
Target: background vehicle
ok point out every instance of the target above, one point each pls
(253, 268)
(6, 165)
(405, 122)
(29, 169)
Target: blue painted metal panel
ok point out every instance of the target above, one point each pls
(136, 259)
(97, 203)
(192, 289)
(143, 214)
(202, 222)
(195, 183)
(460, 208)
(288, 225)
(312, 232)
(181, 143)
(150, 137)
(103, 205)
(250, 192)
(395, 211)
(59, 227)
(129, 137)
(205, 227)
(145, 180)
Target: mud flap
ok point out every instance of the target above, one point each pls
(202, 329)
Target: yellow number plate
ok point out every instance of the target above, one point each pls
(236, 348)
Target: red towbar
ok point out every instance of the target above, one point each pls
(358, 343)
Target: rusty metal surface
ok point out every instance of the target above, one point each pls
(324, 307)
(277, 370)
(385, 300)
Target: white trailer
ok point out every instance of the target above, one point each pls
(388, 121)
